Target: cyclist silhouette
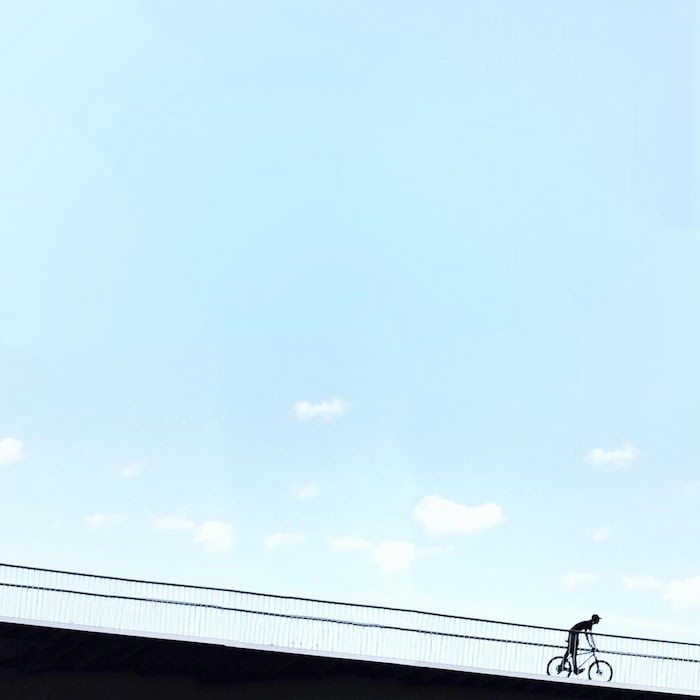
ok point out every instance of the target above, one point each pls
(572, 646)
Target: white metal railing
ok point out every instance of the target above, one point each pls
(333, 628)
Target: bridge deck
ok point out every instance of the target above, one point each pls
(295, 627)
(57, 663)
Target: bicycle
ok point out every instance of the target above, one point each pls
(599, 670)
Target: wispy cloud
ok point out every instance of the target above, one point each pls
(440, 516)
(10, 451)
(131, 470)
(324, 411)
(284, 540)
(684, 593)
(306, 492)
(642, 582)
(215, 536)
(394, 556)
(437, 550)
(600, 534)
(98, 520)
(173, 523)
(692, 488)
(618, 457)
(576, 580)
(391, 556)
(350, 544)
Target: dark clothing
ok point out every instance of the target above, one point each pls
(580, 626)
(572, 646)
(572, 643)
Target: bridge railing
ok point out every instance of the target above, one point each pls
(333, 628)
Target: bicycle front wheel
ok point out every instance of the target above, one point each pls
(555, 667)
(600, 671)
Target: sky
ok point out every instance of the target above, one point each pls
(384, 302)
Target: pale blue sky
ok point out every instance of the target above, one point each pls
(465, 233)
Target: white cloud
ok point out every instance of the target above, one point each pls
(691, 488)
(282, 540)
(324, 411)
(10, 451)
(131, 470)
(684, 593)
(441, 516)
(618, 457)
(599, 534)
(642, 583)
(170, 523)
(97, 520)
(350, 544)
(306, 492)
(577, 580)
(393, 557)
(216, 537)
(437, 550)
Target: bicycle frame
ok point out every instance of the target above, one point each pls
(584, 656)
(598, 669)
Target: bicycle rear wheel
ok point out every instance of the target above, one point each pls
(556, 668)
(600, 671)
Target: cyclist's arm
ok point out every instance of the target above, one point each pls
(589, 638)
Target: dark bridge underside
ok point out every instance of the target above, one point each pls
(53, 664)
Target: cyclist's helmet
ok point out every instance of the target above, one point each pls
(596, 618)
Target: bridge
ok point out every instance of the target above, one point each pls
(83, 630)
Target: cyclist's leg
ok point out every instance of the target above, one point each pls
(567, 651)
(573, 644)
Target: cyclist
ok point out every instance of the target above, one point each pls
(572, 646)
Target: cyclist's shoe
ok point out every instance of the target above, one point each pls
(559, 668)
(580, 671)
